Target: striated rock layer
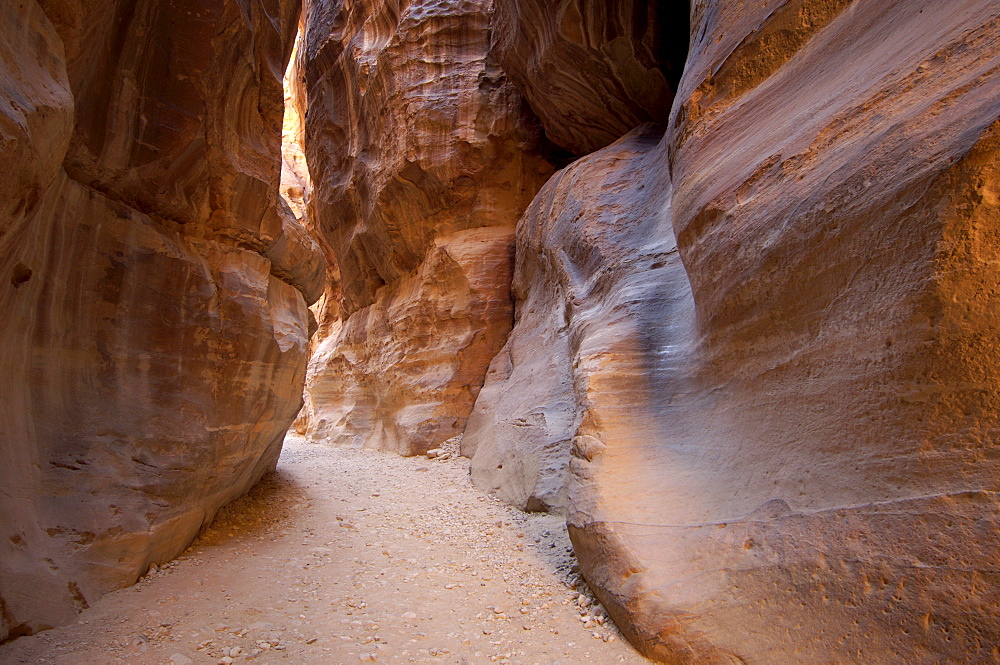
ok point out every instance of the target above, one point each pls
(154, 292)
(422, 158)
(600, 291)
(295, 180)
(592, 69)
(402, 374)
(789, 455)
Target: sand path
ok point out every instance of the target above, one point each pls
(348, 556)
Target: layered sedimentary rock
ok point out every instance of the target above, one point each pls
(791, 457)
(295, 180)
(592, 70)
(402, 374)
(600, 291)
(154, 293)
(422, 157)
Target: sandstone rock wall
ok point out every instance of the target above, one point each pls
(600, 290)
(791, 456)
(296, 182)
(154, 293)
(592, 69)
(402, 374)
(423, 157)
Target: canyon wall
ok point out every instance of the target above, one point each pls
(778, 442)
(603, 308)
(422, 157)
(591, 70)
(154, 289)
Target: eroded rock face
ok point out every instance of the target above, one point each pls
(155, 294)
(296, 182)
(402, 374)
(595, 255)
(422, 157)
(593, 69)
(783, 448)
(814, 479)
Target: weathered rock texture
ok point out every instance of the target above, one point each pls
(595, 253)
(295, 180)
(402, 374)
(154, 293)
(797, 462)
(592, 69)
(422, 158)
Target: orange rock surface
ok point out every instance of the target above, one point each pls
(591, 70)
(783, 447)
(751, 352)
(422, 158)
(155, 294)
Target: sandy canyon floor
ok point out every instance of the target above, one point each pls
(347, 556)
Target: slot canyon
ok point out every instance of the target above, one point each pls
(525, 331)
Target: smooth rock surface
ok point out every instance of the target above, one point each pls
(423, 156)
(592, 70)
(783, 448)
(813, 478)
(595, 258)
(154, 292)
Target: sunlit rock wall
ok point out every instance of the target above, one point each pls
(154, 292)
(790, 457)
(423, 156)
(295, 180)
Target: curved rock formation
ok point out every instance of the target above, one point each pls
(595, 255)
(791, 455)
(402, 374)
(422, 158)
(155, 294)
(592, 70)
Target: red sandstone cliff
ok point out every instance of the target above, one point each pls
(753, 361)
(592, 70)
(422, 158)
(782, 446)
(154, 290)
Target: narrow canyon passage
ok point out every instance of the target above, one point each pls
(351, 556)
(715, 282)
